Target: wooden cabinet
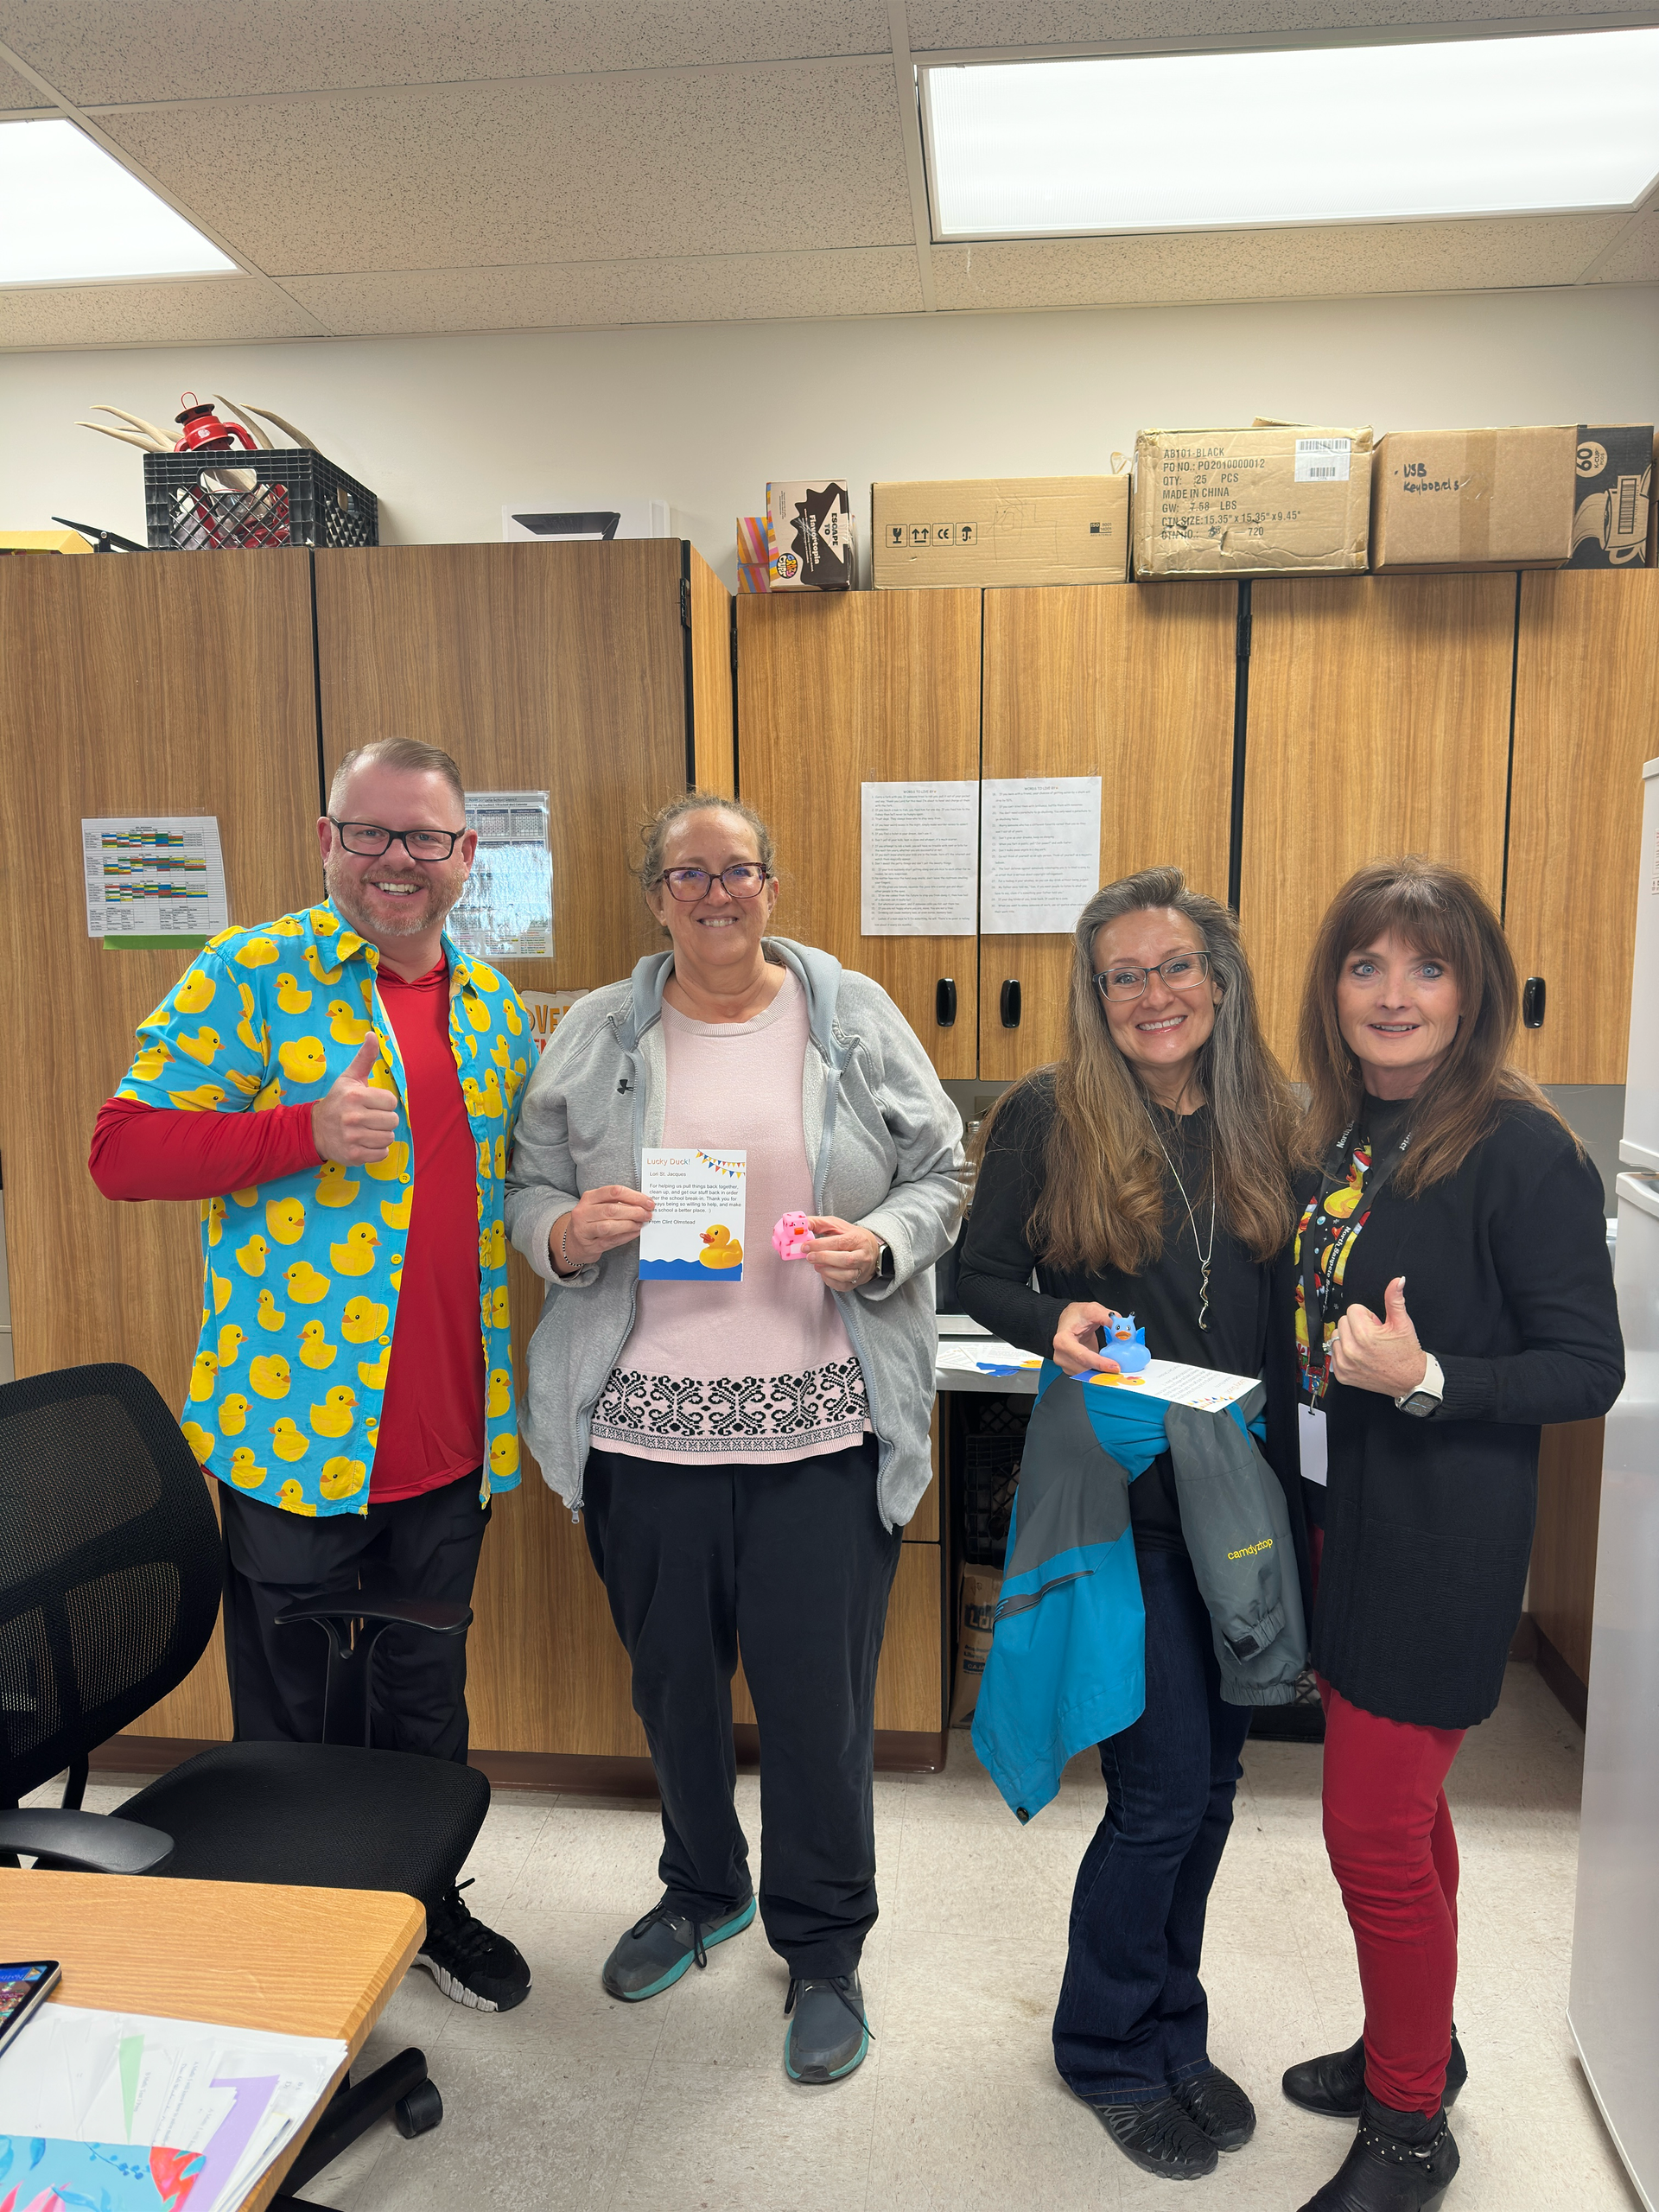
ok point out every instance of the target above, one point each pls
(1587, 717)
(1134, 686)
(168, 685)
(1379, 723)
(837, 690)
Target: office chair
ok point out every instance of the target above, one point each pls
(109, 1582)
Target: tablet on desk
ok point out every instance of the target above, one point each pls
(25, 1985)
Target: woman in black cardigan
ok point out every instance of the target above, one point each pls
(1148, 1172)
(1453, 1294)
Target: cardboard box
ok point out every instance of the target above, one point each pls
(1499, 498)
(978, 1590)
(1018, 529)
(813, 545)
(1278, 499)
(1614, 524)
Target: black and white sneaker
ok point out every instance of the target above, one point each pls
(470, 1962)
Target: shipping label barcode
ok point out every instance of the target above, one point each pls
(1323, 461)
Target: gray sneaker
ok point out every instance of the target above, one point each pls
(828, 2033)
(657, 1950)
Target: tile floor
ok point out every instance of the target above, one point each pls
(575, 2101)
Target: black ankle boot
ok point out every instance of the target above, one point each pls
(1335, 2085)
(1400, 2162)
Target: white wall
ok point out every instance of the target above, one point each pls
(447, 430)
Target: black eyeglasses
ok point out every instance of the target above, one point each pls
(369, 839)
(743, 880)
(1182, 971)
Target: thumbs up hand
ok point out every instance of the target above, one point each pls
(1383, 1356)
(356, 1121)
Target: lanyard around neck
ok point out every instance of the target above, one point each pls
(1317, 1299)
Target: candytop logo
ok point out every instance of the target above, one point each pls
(1249, 1551)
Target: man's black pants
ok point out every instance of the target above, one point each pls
(792, 1563)
(425, 1547)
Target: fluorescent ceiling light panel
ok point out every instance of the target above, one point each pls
(73, 214)
(1332, 135)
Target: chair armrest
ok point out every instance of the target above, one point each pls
(380, 1602)
(94, 1843)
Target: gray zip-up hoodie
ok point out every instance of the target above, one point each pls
(885, 1145)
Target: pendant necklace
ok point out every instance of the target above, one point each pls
(1202, 1251)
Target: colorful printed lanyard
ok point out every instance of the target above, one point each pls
(1320, 1287)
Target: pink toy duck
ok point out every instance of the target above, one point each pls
(792, 1239)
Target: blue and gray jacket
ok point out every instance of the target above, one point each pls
(1067, 1664)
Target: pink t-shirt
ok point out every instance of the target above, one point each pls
(760, 1369)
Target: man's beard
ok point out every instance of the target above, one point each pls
(440, 890)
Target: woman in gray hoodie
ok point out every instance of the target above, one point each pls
(745, 1446)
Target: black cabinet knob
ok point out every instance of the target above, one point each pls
(1010, 1003)
(944, 1003)
(1532, 1002)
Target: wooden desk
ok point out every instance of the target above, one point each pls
(303, 1963)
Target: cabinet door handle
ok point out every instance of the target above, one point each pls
(944, 1003)
(1010, 1003)
(1532, 1003)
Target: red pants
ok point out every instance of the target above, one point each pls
(1388, 1831)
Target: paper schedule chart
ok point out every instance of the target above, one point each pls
(160, 876)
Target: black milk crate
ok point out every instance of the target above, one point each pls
(992, 1442)
(205, 502)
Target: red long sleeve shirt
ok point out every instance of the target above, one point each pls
(432, 1414)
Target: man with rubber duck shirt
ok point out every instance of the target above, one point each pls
(338, 1089)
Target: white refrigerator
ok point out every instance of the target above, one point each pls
(1614, 2006)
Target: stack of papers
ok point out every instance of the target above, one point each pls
(133, 2113)
(983, 1356)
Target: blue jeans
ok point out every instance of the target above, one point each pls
(1133, 2019)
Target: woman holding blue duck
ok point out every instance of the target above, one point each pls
(1147, 1172)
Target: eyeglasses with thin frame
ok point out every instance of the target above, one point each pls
(743, 880)
(1182, 971)
(369, 839)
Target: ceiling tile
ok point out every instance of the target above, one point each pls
(734, 289)
(1633, 258)
(18, 95)
(214, 307)
(1303, 263)
(946, 24)
(585, 170)
(188, 49)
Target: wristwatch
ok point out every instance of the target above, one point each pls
(1427, 1397)
(884, 1263)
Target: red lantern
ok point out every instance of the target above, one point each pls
(205, 433)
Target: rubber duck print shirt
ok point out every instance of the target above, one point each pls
(272, 1016)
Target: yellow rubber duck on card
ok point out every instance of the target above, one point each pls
(342, 1477)
(286, 1439)
(290, 997)
(337, 1414)
(244, 1473)
(285, 1219)
(291, 1498)
(233, 1413)
(195, 994)
(356, 1255)
(362, 1320)
(719, 1248)
(305, 1285)
(250, 1256)
(270, 1314)
(334, 1185)
(315, 1349)
(270, 1376)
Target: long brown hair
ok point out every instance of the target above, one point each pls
(1102, 1195)
(1443, 915)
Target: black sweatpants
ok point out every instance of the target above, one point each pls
(792, 1563)
(427, 1547)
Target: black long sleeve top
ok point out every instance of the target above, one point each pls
(1248, 1324)
(1429, 1522)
